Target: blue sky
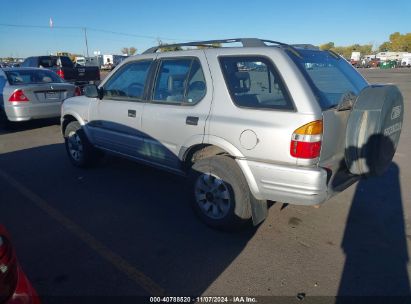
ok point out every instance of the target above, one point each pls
(343, 22)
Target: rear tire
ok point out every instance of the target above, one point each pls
(221, 196)
(81, 153)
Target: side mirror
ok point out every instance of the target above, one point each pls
(92, 91)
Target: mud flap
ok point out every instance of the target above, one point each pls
(259, 211)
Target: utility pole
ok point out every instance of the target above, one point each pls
(85, 37)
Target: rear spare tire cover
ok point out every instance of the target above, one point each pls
(373, 130)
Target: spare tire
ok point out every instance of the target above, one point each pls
(373, 130)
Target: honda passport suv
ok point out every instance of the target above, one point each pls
(261, 120)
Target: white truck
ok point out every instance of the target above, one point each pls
(355, 58)
(406, 60)
(80, 60)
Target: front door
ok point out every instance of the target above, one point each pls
(115, 121)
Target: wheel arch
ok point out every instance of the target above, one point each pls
(218, 146)
(69, 117)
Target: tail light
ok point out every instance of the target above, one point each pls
(18, 96)
(77, 91)
(306, 140)
(8, 270)
(60, 72)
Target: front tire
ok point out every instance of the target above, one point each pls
(80, 152)
(222, 198)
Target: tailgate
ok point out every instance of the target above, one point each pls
(332, 155)
(87, 74)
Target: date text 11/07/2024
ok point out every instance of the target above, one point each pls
(236, 299)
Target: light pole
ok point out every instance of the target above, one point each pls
(85, 38)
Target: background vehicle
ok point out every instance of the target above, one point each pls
(373, 63)
(15, 287)
(65, 68)
(31, 93)
(406, 61)
(355, 58)
(389, 64)
(266, 121)
(80, 61)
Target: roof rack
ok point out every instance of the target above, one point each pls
(246, 42)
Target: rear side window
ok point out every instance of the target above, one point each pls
(254, 83)
(32, 76)
(179, 81)
(128, 82)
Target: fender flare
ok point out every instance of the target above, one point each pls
(240, 160)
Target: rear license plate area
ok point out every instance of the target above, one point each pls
(52, 95)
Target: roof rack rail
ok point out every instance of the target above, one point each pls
(246, 42)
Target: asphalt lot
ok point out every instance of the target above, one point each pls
(126, 229)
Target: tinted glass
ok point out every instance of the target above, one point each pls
(66, 62)
(172, 80)
(32, 76)
(254, 83)
(128, 82)
(329, 75)
(196, 87)
(47, 62)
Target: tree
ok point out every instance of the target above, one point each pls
(129, 51)
(384, 47)
(163, 47)
(213, 45)
(327, 46)
(398, 43)
(125, 50)
(132, 50)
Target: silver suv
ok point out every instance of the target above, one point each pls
(259, 121)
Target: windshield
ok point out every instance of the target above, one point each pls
(330, 76)
(32, 76)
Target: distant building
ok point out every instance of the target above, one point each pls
(384, 56)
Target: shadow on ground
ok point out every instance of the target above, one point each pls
(13, 127)
(375, 240)
(141, 214)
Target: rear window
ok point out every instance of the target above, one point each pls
(32, 76)
(329, 75)
(51, 61)
(254, 83)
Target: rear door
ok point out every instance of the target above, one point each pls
(115, 121)
(180, 104)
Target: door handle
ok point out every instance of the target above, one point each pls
(132, 113)
(192, 120)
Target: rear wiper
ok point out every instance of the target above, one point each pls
(346, 101)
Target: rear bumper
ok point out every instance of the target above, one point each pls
(32, 111)
(287, 184)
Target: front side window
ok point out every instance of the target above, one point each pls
(254, 83)
(128, 82)
(179, 81)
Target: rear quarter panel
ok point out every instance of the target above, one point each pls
(273, 128)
